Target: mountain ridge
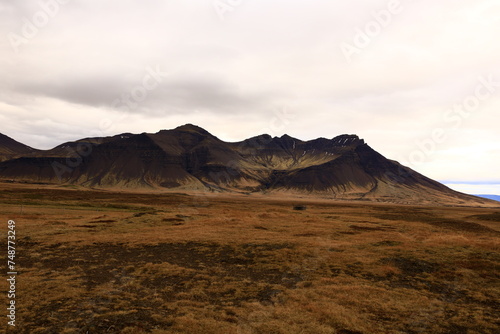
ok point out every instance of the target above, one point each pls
(190, 158)
(10, 148)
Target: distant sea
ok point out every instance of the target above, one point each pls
(493, 197)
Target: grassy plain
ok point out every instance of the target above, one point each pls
(111, 262)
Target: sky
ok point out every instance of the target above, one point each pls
(419, 80)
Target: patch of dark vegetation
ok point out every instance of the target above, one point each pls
(172, 219)
(410, 266)
(408, 216)
(432, 219)
(463, 226)
(103, 221)
(494, 217)
(206, 272)
(457, 329)
(267, 295)
(54, 246)
(445, 291)
(86, 316)
(354, 269)
(418, 277)
(239, 261)
(387, 243)
(348, 331)
(486, 266)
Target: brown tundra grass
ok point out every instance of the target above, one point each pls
(107, 262)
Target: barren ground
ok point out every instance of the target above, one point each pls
(110, 262)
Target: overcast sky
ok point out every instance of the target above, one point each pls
(419, 80)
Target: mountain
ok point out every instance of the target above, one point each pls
(492, 197)
(9, 148)
(190, 158)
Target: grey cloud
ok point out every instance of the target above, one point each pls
(216, 95)
(90, 91)
(180, 93)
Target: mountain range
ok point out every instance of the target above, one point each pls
(191, 159)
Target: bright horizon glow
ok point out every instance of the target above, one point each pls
(475, 189)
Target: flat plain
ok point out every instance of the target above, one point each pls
(93, 261)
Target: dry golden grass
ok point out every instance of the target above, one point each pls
(109, 262)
